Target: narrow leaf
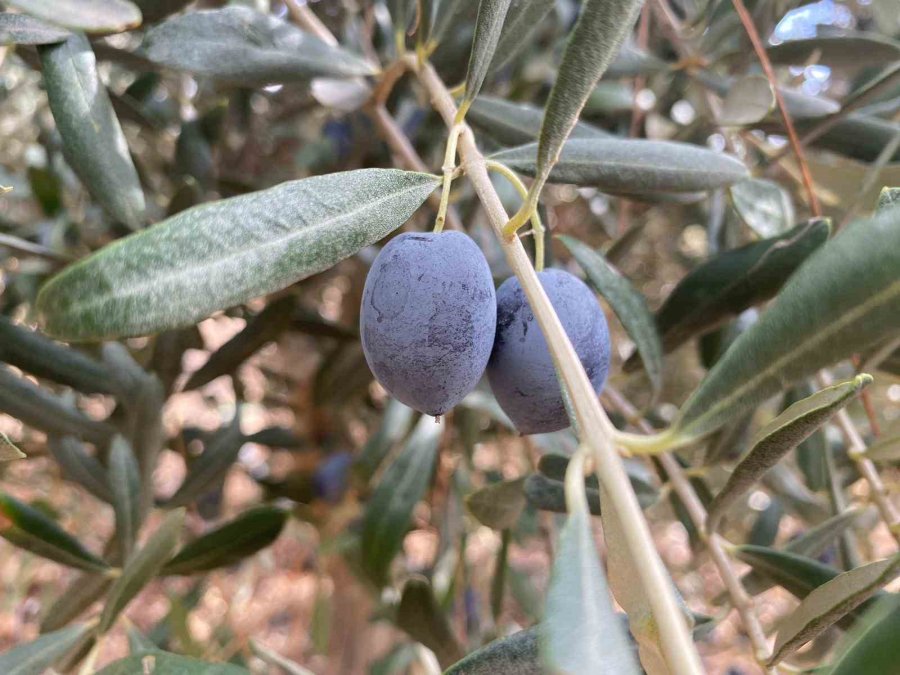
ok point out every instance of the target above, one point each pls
(8, 449)
(871, 647)
(548, 494)
(844, 299)
(214, 462)
(422, 617)
(764, 205)
(841, 51)
(80, 467)
(581, 632)
(511, 123)
(779, 437)
(28, 528)
(250, 532)
(523, 18)
(241, 46)
(516, 654)
(21, 29)
(390, 508)
(749, 100)
(91, 16)
(142, 567)
(33, 658)
(627, 302)
(82, 592)
(125, 483)
(395, 424)
(163, 663)
(599, 32)
(830, 602)
(224, 253)
(632, 166)
(885, 449)
(488, 26)
(498, 505)
(92, 139)
(632, 61)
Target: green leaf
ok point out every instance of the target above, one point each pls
(29, 528)
(125, 484)
(224, 253)
(516, 654)
(800, 106)
(35, 657)
(139, 643)
(250, 532)
(422, 617)
(80, 467)
(844, 299)
(830, 602)
(888, 197)
(885, 449)
(90, 16)
(8, 449)
(581, 632)
(553, 467)
(92, 140)
(627, 302)
(632, 166)
(488, 26)
(143, 566)
(241, 46)
(749, 100)
(764, 205)
(511, 123)
(857, 136)
(779, 437)
(82, 592)
(837, 51)
(726, 285)
(812, 454)
(163, 663)
(547, 494)
(523, 18)
(21, 29)
(390, 507)
(631, 61)
(394, 425)
(498, 505)
(871, 647)
(599, 32)
(213, 463)
(36, 354)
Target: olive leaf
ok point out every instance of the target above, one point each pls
(800, 106)
(250, 532)
(871, 646)
(748, 101)
(850, 50)
(394, 425)
(142, 567)
(844, 299)
(90, 16)
(632, 61)
(523, 18)
(779, 437)
(498, 505)
(830, 602)
(516, 654)
(581, 631)
(164, 663)
(422, 617)
(511, 123)
(37, 656)
(241, 46)
(599, 32)
(548, 494)
(627, 302)
(886, 449)
(857, 136)
(92, 139)
(391, 505)
(154, 10)
(82, 592)
(21, 29)
(764, 205)
(28, 528)
(224, 253)
(488, 25)
(8, 449)
(888, 197)
(125, 484)
(632, 166)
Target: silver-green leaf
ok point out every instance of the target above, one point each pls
(498, 505)
(21, 29)
(885, 449)
(748, 101)
(511, 123)
(488, 26)
(90, 16)
(92, 139)
(241, 46)
(764, 205)
(35, 657)
(125, 484)
(224, 253)
(523, 18)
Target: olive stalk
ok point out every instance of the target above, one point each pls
(596, 429)
(537, 227)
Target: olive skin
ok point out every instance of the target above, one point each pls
(521, 371)
(429, 313)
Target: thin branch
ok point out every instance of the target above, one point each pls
(766, 64)
(595, 428)
(309, 22)
(740, 600)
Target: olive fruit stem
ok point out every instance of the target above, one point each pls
(537, 227)
(655, 444)
(448, 168)
(596, 430)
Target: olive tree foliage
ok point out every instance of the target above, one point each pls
(187, 160)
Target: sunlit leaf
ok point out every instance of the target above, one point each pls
(224, 253)
(764, 205)
(91, 16)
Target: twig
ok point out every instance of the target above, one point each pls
(760, 50)
(307, 20)
(740, 600)
(595, 428)
(29, 248)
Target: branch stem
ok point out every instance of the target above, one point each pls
(537, 227)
